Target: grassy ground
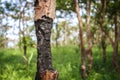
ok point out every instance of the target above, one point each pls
(65, 59)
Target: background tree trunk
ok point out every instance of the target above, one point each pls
(83, 64)
(89, 50)
(57, 34)
(103, 45)
(24, 49)
(114, 42)
(44, 15)
(103, 26)
(115, 46)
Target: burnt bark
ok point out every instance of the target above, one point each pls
(43, 19)
(44, 58)
(43, 32)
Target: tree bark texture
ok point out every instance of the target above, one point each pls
(115, 45)
(103, 25)
(103, 45)
(89, 49)
(83, 64)
(44, 15)
(25, 49)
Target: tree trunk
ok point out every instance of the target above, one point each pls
(89, 52)
(25, 52)
(103, 25)
(115, 59)
(44, 15)
(103, 45)
(115, 46)
(57, 35)
(24, 48)
(20, 31)
(83, 64)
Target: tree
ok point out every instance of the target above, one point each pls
(43, 19)
(82, 48)
(18, 12)
(113, 15)
(23, 28)
(109, 9)
(102, 23)
(89, 49)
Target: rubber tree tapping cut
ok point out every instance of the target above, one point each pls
(43, 19)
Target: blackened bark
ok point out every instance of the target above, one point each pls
(44, 58)
(44, 15)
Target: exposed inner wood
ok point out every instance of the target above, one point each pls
(44, 8)
(50, 75)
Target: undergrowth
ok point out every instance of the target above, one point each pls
(65, 59)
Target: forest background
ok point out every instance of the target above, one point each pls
(18, 40)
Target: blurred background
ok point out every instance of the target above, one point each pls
(18, 39)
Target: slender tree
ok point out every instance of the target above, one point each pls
(114, 20)
(89, 49)
(44, 15)
(111, 7)
(100, 19)
(82, 48)
(102, 24)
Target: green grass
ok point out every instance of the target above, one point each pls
(65, 59)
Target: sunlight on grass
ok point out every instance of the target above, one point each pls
(65, 59)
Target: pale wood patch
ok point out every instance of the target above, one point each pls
(45, 8)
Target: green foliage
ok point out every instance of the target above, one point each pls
(12, 67)
(66, 5)
(65, 59)
(1, 10)
(27, 40)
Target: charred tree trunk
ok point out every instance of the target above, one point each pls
(44, 58)
(89, 50)
(44, 15)
(83, 54)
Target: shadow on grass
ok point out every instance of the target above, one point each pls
(103, 71)
(12, 67)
